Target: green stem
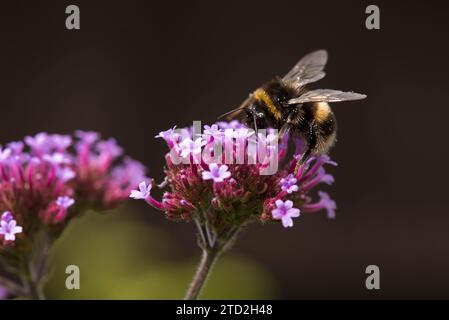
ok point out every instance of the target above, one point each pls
(208, 259)
(34, 268)
(35, 290)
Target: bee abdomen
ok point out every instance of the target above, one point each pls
(326, 125)
(325, 119)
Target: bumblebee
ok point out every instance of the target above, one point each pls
(286, 104)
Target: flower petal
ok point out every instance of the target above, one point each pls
(287, 222)
(293, 212)
(276, 214)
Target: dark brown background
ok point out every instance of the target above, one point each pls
(136, 68)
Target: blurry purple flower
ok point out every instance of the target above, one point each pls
(4, 154)
(61, 142)
(110, 148)
(57, 158)
(66, 174)
(328, 179)
(216, 173)
(39, 182)
(65, 202)
(143, 192)
(325, 202)
(39, 143)
(16, 147)
(88, 137)
(285, 212)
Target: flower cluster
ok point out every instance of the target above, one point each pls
(222, 195)
(48, 178)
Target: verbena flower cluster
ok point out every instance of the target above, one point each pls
(47, 179)
(224, 196)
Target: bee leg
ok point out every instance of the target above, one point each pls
(255, 124)
(311, 144)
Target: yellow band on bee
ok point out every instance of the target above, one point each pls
(261, 95)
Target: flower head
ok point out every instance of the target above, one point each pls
(41, 180)
(285, 212)
(240, 192)
(46, 174)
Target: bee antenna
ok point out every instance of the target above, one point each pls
(229, 112)
(255, 124)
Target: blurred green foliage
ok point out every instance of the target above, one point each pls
(122, 258)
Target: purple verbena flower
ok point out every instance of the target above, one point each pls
(61, 141)
(143, 192)
(212, 131)
(216, 173)
(189, 147)
(4, 154)
(88, 137)
(65, 202)
(39, 143)
(65, 174)
(325, 203)
(9, 229)
(234, 124)
(57, 158)
(167, 134)
(109, 148)
(288, 184)
(285, 212)
(16, 147)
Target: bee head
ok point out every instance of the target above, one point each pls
(255, 114)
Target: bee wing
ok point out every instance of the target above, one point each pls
(326, 95)
(233, 113)
(308, 69)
